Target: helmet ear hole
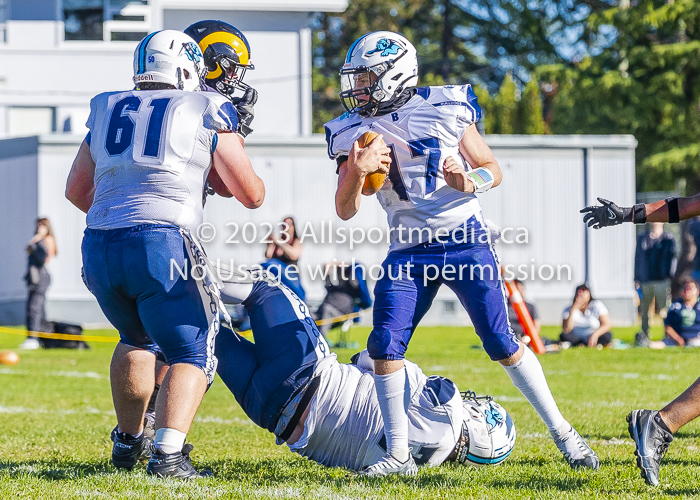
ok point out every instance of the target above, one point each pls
(186, 73)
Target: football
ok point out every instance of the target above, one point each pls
(8, 358)
(375, 181)
(217, 184)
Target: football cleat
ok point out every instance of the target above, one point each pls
(127, 451)
(175, 465)
(575, 450)
(651, 442)
(389, 466)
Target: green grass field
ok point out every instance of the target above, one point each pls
(56, 414)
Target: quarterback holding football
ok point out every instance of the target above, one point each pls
(436, 162)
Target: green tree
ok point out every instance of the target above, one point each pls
(645, 83)
(457, 41)
(506, 107)
(531, 119)
(488, 110)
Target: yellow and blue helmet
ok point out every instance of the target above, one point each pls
(226, 55)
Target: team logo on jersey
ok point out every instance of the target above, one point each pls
(386, 47)
(493, 417)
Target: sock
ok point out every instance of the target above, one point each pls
(151, 408)
(391, 394)
(169, 441)
(660, 422)
(129, 437)
(528, 377)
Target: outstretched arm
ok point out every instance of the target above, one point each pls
(668, 210)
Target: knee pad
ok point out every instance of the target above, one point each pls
(384, 344)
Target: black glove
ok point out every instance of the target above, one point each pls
(244, 107)
(608, 214)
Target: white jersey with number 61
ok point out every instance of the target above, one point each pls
(421, 134)
(153, 151)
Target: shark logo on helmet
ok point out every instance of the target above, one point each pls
(493, 417)
(387, 48)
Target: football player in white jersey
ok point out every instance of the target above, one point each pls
(289, 383)
(438, 161)
(140, 175)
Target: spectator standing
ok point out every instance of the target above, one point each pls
(586, 321)
(41, 249)
(654, 264)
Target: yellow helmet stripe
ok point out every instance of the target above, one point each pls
(230, 39)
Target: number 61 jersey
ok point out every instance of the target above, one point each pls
(153, 150)
(421, 134)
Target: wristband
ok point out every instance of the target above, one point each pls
(673, 214)
(639, 215)
(482, 178)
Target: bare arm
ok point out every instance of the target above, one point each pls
(293, 250)
(474, 149)
(80, 187)
(603, 328)
(352, 173)
(270, 250)
(234, 167)
(674, 335)
(568, 324)
(687, 209)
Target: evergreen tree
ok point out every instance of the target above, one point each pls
(457, 41)
(531, 118)
(646, 83)
(506, 107)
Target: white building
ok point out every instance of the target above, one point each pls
(55, 55)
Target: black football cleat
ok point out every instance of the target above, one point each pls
(651, 442)
(175, 465)
(127, 451)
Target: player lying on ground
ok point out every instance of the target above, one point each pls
(289, 383)
(436, 163)
(652, 431)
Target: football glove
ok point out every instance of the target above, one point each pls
(608, 214)
(246, 113)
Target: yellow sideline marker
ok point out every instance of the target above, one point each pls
(99, 338)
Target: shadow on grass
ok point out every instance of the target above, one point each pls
(288, 471)
(55, 469)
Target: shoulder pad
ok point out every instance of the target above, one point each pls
(342, 132)
(456, 95)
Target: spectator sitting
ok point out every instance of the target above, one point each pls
(654, 264)
(282, 256)
(683, 319)
(346, 292)
(513, 318)
(586, 321)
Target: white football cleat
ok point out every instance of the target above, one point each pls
(30, 344)
(388, 466)
(575, 450)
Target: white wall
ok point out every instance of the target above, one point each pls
(542, 191)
